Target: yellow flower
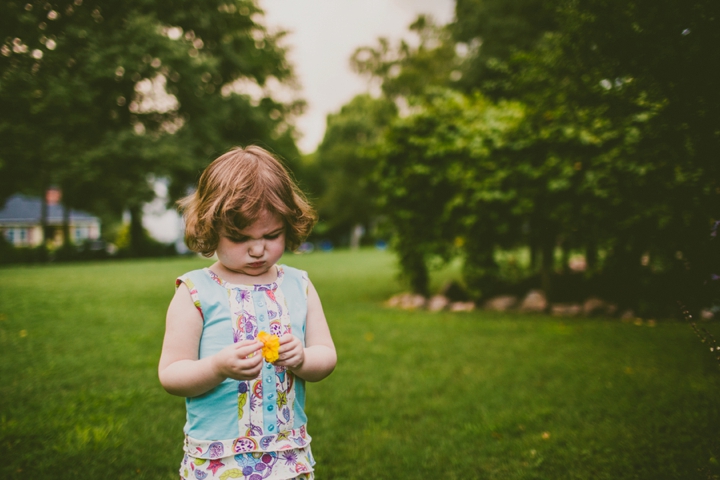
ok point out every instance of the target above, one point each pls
(271, 345)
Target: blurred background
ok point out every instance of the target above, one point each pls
(498, 183)
(563, 147)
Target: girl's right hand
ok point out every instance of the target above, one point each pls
(239, 361)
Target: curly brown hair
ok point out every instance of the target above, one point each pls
(232, 193)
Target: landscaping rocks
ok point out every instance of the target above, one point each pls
(596, 306)
(501, 303)
(454, 292)
(534, 301)
(566, 309)
(437, 303)
(407, 301)
(462, 306)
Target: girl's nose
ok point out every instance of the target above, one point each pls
(256, 248)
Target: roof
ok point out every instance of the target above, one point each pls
(24, 209)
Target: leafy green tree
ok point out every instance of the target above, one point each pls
(346, 164)
(99, 97)
(492, 31)
(443, 186)
(615, 90)
(408, 69)
(649, 61)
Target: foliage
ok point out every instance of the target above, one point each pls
(491, 32)
(515, 397)
(408, 69)
(612, 153)
(650, 59)
(99, 97)
(440, 186)
(344, 164)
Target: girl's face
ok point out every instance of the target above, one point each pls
(257, 250)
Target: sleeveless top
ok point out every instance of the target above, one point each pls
(266, 414)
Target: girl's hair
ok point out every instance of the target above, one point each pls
(232, 193)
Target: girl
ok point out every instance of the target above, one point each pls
(245, 415)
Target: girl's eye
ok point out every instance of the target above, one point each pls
(237, 239)
(272, 237)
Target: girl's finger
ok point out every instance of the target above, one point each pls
(287, 338)
(246, 350)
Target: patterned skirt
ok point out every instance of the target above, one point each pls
(284, 465)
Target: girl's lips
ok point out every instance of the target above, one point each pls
(256, 264)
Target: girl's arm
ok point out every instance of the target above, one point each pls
(180, 371)
(317, 360)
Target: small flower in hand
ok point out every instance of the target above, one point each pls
(271, 346)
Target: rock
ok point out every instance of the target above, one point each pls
(534, 301)
(412, 301)
(577, 264)
(406, 301)
(462, 306)
(707, 315)
(454, 292)
(565, 309)
(596, 306)
(394, 301)
(627, 316)
(437, 303)
(501, 303)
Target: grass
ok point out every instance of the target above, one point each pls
(415, 394)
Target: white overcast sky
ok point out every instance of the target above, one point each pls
(323, 36)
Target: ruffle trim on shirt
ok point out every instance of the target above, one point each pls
(211, 449)
(255, 287)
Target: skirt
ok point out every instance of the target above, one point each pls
(284, 465)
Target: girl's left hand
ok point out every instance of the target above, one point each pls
(292, 353)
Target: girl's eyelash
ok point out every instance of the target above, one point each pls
(244, 239)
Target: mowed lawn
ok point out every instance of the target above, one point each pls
(416, 395)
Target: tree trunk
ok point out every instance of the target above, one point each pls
(44, 217)
(548, 264)
(137, 235)
(534, 253)
(591, 257)
(565, 248)
(66, 226)
(356, 235)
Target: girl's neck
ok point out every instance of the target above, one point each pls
(239, 278)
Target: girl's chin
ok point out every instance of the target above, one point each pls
(252, 270)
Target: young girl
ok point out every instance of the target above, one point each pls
(245, 413)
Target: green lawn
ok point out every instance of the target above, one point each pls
(416, 395)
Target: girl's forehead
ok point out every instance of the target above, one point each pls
(266, 220)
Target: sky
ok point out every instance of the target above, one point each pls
(324, 34)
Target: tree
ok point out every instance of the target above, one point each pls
(493, 31)
(407, 70)
(98, 97)
(444, 188)
(616, 89)
(651, 60)
(345, 162)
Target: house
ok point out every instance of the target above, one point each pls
(20, 221)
